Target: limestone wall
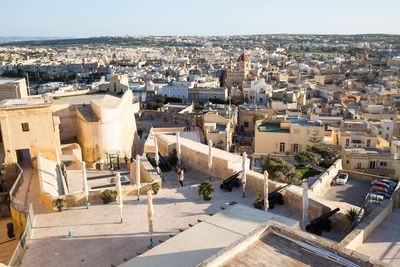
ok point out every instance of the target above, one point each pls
(116, 134)
(49, 177)
(324, 181)
(185, 119)
(68, 125)
(367, 226)
(362, 175)
(147, 173)
(19, 222)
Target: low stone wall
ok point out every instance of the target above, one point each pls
(362, 175)
(49, 177)
(72, 93)
(19, 221)
(324, 181)
(367, 226)
(147, 172)
(195, 155)
(148, 176)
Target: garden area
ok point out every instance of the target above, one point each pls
(306, 172)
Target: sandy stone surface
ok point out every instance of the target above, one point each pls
(98, 238)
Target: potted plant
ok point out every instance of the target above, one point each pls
(60, 204)
(108, 195)
(206, 189)
(155, 187)
(351, 214)
(259, 202)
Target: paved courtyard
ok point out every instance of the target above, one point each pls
(353, 192)
(384, 242)
(98, 238)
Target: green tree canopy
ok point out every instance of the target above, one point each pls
(306, 157)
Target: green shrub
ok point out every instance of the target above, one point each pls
(258, 203)
(206, 189)
(59, 202)
(351, 214)
(108, 194)
(155, 186)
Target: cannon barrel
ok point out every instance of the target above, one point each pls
(272, 194)
(227, 180)
(324, 216)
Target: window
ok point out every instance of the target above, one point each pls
(347, 161)
(347, 142)
(383, 163)
(368, 142)
(246, 124)
(282, 147)
(25, 127)
(387, 128)
(295, 148)
(380, 132)
(372, 164)
(358, 165)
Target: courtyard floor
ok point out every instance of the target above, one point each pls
(98, 238)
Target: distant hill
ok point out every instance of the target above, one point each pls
(104, 40)
(9, 39)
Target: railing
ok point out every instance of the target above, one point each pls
(23, 244)
(18, 204)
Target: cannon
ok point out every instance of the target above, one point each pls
(276, 197)
(230, 182)
(321, 223)
(163, 164)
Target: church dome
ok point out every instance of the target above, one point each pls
(243, 57)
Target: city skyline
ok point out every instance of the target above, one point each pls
(164, 18)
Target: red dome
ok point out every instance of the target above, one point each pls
(243, 57)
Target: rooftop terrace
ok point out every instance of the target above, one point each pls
(272, 128)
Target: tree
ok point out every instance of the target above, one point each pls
(277, 167)
(306, 157)
(314, 139)
(258, 117)
(328, 155)
(161, 99)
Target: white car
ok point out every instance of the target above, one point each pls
(342, 178)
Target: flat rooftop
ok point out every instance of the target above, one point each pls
(273, 250)
(271, 127)
(10, 80)
(207, 238)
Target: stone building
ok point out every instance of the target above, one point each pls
(118, 83)
(236, 76)
(105, 126)
(13, 88)
(291, 137)
(28, 128)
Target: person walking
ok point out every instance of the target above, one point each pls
(180, 176)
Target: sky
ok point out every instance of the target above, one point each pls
(87, 18)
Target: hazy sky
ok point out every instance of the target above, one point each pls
(84, 18)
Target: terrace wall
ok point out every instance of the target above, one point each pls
(324, 181)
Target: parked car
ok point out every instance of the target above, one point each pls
(386, 181)
(342, 178)
(384, 185)
(380, 189)
(385, 195)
